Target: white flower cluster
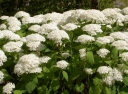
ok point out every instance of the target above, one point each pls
(1, 77)
(27, 64)
(69, 26)
(92, 29)
(103, 52)
(88, 70)
(85, 39)
(34, 28)
(3, 26)
(65, 55)
(57, 36)
(3, 57)
(124, 56)
(21, 14)
(8, 88)
(82, 53)
(118, 35)
(112, 75)
(103, 40)
(62, 64)
(44, 59)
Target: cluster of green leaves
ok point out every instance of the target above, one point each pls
(9, 7)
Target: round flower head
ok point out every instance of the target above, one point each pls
(8, 88)
(103, 52)
(21, 14)
(28, 20)
(44, 59)
(125, 11)
(1, 77)
(124, 56)
(4, 17)
(27, 64)
(103, 40)
(118, 35)
(69, 26)
(82, 53)
(3, 57)
(85, 39)
(34, 28)
(65, 55)
(104, 70)
(3, 26)
(88, 70)
(92, 29)
(62, 64)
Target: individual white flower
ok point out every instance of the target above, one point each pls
(65, 55)
(124, 56)
(120, 45)
(34, 28)
(35, 38)
(104, 70)
(8, 88)
(20, 14)
(69, 26)
(103, 40)
(92, 29)
(46, 28)
(125, 11)
(35, 46)
(7, 34)
(117, 75)
(44, 59)
(28, 20)
(85, 39)
(118, 35)
(4, 17)
(62, 64)
(57, 36)
(82, 53)
(13, 46)
(88, 70)
(1, 77)
(3, 26)
(28, 63)
(95, 16)
(3, 57)
(103, 52)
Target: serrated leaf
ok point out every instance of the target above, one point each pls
(55, 84)
(30, 86)
(17, 92)
(90, 57)
(79, 87)
(65, 75)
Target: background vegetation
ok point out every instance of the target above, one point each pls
(10, 7)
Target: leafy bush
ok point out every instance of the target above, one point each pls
(77, 51)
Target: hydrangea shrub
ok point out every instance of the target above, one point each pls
(77, 51)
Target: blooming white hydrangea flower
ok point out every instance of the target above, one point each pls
(7, 34)
(126, 18)
(34, 28)
(28, 63)
(28, 20)
(117, 75)
(118, 35)
(46, 28)
(110, 38)
(57, 36)
(35, 38)
(44, 59)
(4, 17)
(126, 71)
(120, 45)
(8, 88)
(3, 57)
(13, 46)
(95, 16)
(82, 53)
(20, 14)
(124, 56)
(88, 70)
(35, 46)
(104, 70)
(62, 64)
(13, 21)
(3, 26)
(14, 28)
(103, 52)
(23, 39)
(1, 77)
(125, 11)
(92, 29)
(65, 55)
(85, 39)
(109, 80)
(103, 40)
(69, 26)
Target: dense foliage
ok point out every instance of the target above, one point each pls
(10, 7)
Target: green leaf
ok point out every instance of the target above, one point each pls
(43, 90)
(65, 75)
(114, 89)
(114, 53)
(96, 81)
(17, 92)
(55, 84)
(90, 57)
(125, 80)
(79, 87)
(108, 90)
(30, 86)
(97, 89)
